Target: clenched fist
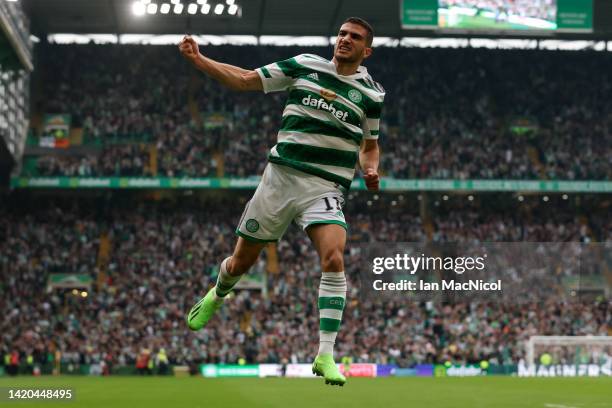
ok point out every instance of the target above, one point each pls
(189, 48)
(371, 179)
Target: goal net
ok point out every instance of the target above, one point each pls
(570, 355)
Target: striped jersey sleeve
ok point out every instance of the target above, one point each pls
(371, 127)
(277, 76)
(371, 121)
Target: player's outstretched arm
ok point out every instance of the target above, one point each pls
(233, 77)
(369, 156)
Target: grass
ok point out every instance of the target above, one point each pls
(467, 22)
(198, 392)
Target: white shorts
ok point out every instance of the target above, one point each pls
(284, 195)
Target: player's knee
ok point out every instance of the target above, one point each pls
(332, 261)
(239, 265)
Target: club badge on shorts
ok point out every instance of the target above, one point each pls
(252, 225)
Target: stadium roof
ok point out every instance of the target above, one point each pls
(258, 17)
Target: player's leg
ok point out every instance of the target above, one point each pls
(329, 241)
(323, 220)
(265, 219)
(231, 270)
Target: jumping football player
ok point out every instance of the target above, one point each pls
(329, 124)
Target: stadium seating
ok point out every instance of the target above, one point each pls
(149, 261)
(461, 114)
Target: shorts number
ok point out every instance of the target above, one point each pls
(328, 206)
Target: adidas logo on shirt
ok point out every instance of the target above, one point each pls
(314, 76)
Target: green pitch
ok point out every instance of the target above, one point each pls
(468, 22)
(475, 392)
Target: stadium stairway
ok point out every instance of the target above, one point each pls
(194, 83)
(36, 121)
(219, 159)
(534, 156)
(584, 221)
(104, 253)
(193, 105)
(153, 159)
(272, 265)
(607, 271)
(426, 218)
(76, 136)
(245, 322)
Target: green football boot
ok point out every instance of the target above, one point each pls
(324, 366)
(202, 311)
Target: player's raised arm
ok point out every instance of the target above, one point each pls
(233, 77)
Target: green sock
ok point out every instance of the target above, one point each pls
(332, 297)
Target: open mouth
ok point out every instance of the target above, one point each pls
(345, 49)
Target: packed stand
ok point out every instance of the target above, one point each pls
(164, 256)
(122, 104)
(448, 113)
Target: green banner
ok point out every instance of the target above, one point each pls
(386, 184)
(229, 370)
(575, 15)
(419, 13)
(450, 370)
(69, 280)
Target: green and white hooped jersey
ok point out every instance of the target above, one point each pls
(326, 115)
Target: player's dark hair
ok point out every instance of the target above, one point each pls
(364, 24)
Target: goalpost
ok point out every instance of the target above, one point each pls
(597, 344)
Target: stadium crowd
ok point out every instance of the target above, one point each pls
(163, 256)
(127, 160)
(448, 113)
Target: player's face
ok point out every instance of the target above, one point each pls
(351, 44)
